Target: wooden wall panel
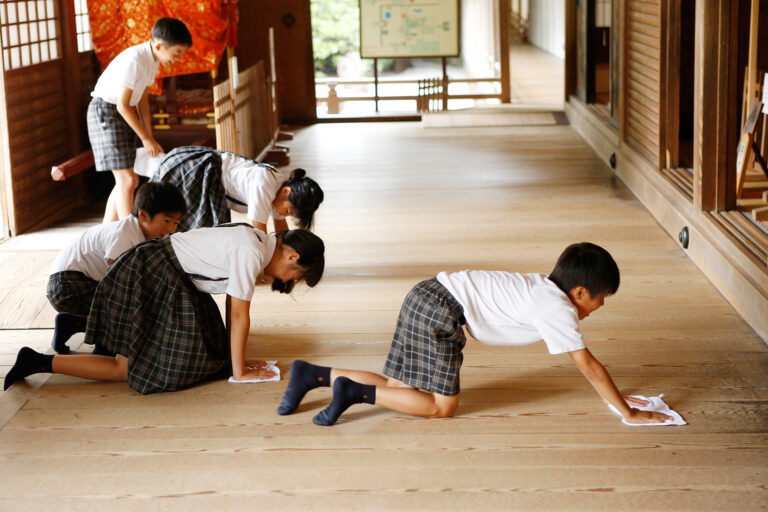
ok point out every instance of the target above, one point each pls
(38, 139)
(642, 77)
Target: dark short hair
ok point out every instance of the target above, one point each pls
(171, 31)
(306, 196)
(158, 197)
(588, 265)
(311, 257)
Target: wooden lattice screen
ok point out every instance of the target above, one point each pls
(245, 125)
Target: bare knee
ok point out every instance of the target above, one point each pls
(445, 406)
(120, 372)
(126, 180)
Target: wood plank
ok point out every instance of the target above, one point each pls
(530, 429)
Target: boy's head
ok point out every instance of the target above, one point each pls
(170, 39)
(159, 207)
(587, 274)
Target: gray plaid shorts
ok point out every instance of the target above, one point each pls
(71, 291)
(427, 344)
(113, 142)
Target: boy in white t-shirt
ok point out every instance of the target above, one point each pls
(83, 263)
(499, 308)
(119, 110)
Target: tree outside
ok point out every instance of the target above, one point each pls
(335, 34)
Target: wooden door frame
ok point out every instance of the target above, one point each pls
(715, 132)
(7, 219)
(670, 124)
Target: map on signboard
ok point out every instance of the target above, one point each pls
(409, 28)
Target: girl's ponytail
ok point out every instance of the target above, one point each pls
(306, 196)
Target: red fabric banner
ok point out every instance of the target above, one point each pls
(119, 24)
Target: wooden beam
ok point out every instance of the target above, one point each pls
(73, 166)
(7, 218)
(504, 42)
(71, 66)
(571, 54)
(715, 116)
(670, 121)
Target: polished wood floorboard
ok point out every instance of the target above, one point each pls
(403, 203)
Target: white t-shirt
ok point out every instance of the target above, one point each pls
(90, 252)
(503, 308)
(134, 67)
(252, 184)
(231, 257)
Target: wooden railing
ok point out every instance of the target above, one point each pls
(334, 100)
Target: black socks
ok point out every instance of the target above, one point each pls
(28, 362)
(65, 325)
(346, 393)
(304, 376)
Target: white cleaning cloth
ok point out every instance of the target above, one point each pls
(146, 165)
(271, 365)
(656, 404)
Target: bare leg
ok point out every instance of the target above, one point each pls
(390, 393)
(363, 377)
(92, 367)
(120, 202)
(416, 403)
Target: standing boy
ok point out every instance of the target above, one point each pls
(119, 111)
(83, 263)
(499, 308)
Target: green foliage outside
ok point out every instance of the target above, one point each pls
(335, 32)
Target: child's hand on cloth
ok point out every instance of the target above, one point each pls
(256, 374)
(638, 416)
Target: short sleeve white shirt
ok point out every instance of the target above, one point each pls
(504, 308)
(134, 68)
(90, 252)
(250, 184)
(227, 259)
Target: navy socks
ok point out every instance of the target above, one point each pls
(346, 393)
(27, 363)
(304, 376)
(65, 325)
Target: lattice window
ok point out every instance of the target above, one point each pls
(83, 26)
(29, 32)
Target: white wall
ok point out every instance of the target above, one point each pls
(546, 22)
(479, 40)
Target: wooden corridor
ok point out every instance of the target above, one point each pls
(403, 203)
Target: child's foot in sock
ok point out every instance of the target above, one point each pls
(304, 376)
(65, 325)
(27, 363)
(346, 393)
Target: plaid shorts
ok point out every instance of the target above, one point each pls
(196, 172)
(426, 348)
(148, 310)
(113, 141)
(71, 291)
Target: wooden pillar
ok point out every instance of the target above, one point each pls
(571, 55)
(669, 125)
(71, 74)
(7, 219)
(504, 42)
(716, 131)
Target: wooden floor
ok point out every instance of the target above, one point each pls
(535, 77)
(403, 203)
